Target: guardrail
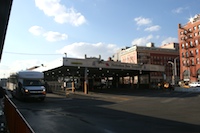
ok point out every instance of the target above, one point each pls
(14, 119)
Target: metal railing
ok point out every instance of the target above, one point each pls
(14, 119)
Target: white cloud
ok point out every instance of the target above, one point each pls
(4, 71)
(179, 10)
(157, 37)
(169, 40)
(71, 17)
(36, 30)
(61, 14)
(18, 66)
(54, 36)
(76, 50)
(142, 21)
(142, 41)
(79, 49)
(153, 28)
(50, 36)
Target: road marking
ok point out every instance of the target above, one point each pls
(168, 100)
(177, 96)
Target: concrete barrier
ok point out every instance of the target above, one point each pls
(16, 123)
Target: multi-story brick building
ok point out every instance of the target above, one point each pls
(154, 55)
(117, 56)
(189, 41)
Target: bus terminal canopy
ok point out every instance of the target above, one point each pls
(5, 8)
(94, 67)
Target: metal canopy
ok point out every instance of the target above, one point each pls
(95, 68)
(5, 8)
(65, 71)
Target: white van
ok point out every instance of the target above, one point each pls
(194, 84)
(27, 84)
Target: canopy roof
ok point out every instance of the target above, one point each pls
(95, 68)
(5, 8)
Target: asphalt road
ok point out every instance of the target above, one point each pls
(114, 112)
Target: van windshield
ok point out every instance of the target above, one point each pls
(32, 83)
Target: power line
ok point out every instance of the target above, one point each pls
(28, 53)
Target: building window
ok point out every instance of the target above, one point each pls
(186, 38)
(187, 55)
(195, 34)
(196, 42)
(197, 61)
(183, 46)
(181, 32)
(199, 32)
(195, 27)
(190, 30)
(188, 63)
(183, 55)
(191, 53)
(191, 44)
(192, 61)
(197, 51)
(184, 63)
(185, 32)
(199, 26)
(186, 45)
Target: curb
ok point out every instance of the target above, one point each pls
(192, 89)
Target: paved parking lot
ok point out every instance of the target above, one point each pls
(115, 112)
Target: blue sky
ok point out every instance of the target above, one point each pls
(41, 31)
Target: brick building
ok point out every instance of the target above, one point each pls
(154, 55)
(189, 41)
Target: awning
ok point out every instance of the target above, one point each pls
(5, 8)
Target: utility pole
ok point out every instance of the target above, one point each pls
(174, 70)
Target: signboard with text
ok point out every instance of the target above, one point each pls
(110, 64)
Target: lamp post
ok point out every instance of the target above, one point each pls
(139, 75)
(174, 70)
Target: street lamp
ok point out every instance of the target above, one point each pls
(174, 70)
(139, 75)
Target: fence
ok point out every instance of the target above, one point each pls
(60, 88)
(15, 121)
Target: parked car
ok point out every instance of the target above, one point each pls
(194, 84)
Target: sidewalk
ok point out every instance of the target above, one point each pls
(3, 128)
(2, 118)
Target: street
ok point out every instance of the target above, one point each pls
(142, 111)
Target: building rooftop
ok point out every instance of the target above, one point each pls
(195, 18)
(135, 47)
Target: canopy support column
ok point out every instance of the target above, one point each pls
(86, 81)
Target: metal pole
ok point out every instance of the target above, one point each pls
(173, 77)
(86, 81)
(175, 69)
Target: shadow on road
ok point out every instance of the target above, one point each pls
(123, 122)
(82, 114)
(146, 92)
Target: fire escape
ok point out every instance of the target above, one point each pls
(189, 57)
